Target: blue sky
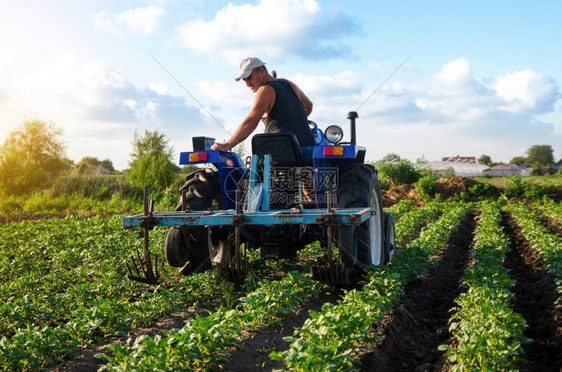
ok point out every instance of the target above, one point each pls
(484, 77)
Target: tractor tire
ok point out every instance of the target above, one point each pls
(187, 247)
(389, 237)
(364, 245)
(175, 247)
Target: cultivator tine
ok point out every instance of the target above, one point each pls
(144, 270)
(232, 274)
(332, 270)
(150, 272)
(334, 273)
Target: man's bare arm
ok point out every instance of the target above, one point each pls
(265, 97)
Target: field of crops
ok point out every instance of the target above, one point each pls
(474, 286)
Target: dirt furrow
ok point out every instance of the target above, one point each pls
(554, 226)
(253, 353)
(418, 325)
(85, 360)
(535, 296)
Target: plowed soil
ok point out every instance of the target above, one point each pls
(418, 324)
(535, 297)
(446, 187)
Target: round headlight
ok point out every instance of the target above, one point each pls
(334, 134)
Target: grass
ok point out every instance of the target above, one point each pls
(109, 194)
(88, 194)
(502, 182)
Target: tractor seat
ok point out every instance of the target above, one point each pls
(283, 147)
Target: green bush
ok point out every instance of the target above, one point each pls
(10, 204)
(397, 173)
(151, 162)
(448, 173)
(518, 188)
(158, 173)
(482, 189)
(515, 187)
(536, 169)
(93, 185)
(31, 157)
(426, 188)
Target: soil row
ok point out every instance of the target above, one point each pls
(535, 298)
(418, 324)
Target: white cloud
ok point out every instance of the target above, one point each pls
(272, 29)
(142, 21)
(450, 110)
(526, 91)
(98, 109)
(344, 82)
(456, 73)
(380, 64)
(160, 88)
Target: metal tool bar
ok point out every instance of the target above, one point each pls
(353, 216)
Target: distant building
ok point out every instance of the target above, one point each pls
(507, 170)
(463, 169)
(459, 159)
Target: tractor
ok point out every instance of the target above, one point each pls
(275, 202)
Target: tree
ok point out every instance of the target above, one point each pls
(397, 173)
(449, 173)
(87, 165)
(518, 160)
(542, 154)
(391, 158)
(240, 150)
(107, 164)
(31, 157)
(426, 188)
(90, 164)
(485, 159)
(151, 161)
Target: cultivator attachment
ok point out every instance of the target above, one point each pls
(232, 264)
(335, 273)
(144, 265)
(233, 275)
(228, 229)
(329, 269)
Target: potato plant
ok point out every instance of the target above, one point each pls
(64, 287)
(203, 339)
(328, 339)
(547, 244)
(551, 208)
(488, 333)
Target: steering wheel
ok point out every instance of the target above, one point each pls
(313, 126)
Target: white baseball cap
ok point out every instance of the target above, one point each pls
(247, 65)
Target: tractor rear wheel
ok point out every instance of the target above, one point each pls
(364, 245)
(187, 246)
(389, 237)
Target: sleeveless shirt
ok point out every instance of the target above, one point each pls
(287, 114)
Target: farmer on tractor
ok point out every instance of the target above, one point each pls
(279, 103)
(230, 206)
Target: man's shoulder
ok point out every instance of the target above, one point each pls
(284, 83)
